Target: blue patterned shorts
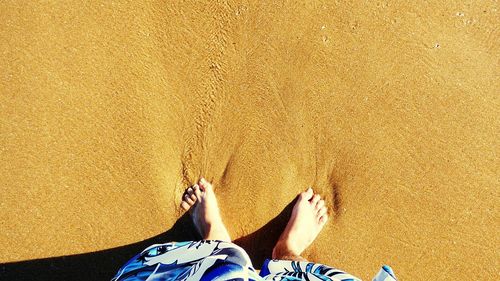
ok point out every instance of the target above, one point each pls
(218, 260)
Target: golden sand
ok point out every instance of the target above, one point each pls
(391, 111)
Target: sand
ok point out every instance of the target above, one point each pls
(390, 110)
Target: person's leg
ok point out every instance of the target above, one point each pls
(222, 259)
(308, 217)
(214, 257)
(201, 203)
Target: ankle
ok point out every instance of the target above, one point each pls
(283, 250)
(211, 230)
(217, 232)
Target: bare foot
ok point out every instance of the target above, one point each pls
(307, 219)
(201, 203)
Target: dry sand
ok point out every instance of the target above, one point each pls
(108, 110)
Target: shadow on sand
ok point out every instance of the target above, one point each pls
(103, 265)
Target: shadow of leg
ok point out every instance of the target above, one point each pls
(101, 265)
(259, 245)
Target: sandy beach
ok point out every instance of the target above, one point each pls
(391, 111)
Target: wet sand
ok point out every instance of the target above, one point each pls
(107, 112)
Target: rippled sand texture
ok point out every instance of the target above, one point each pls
(390, 110)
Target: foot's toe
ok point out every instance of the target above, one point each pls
(315, 199)
(320, 204)
(187, 199)
(185, 205)
(306, 195)
(193, 197)
(321, 212)
(205, 185)
(323, 219)
(197, 191)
